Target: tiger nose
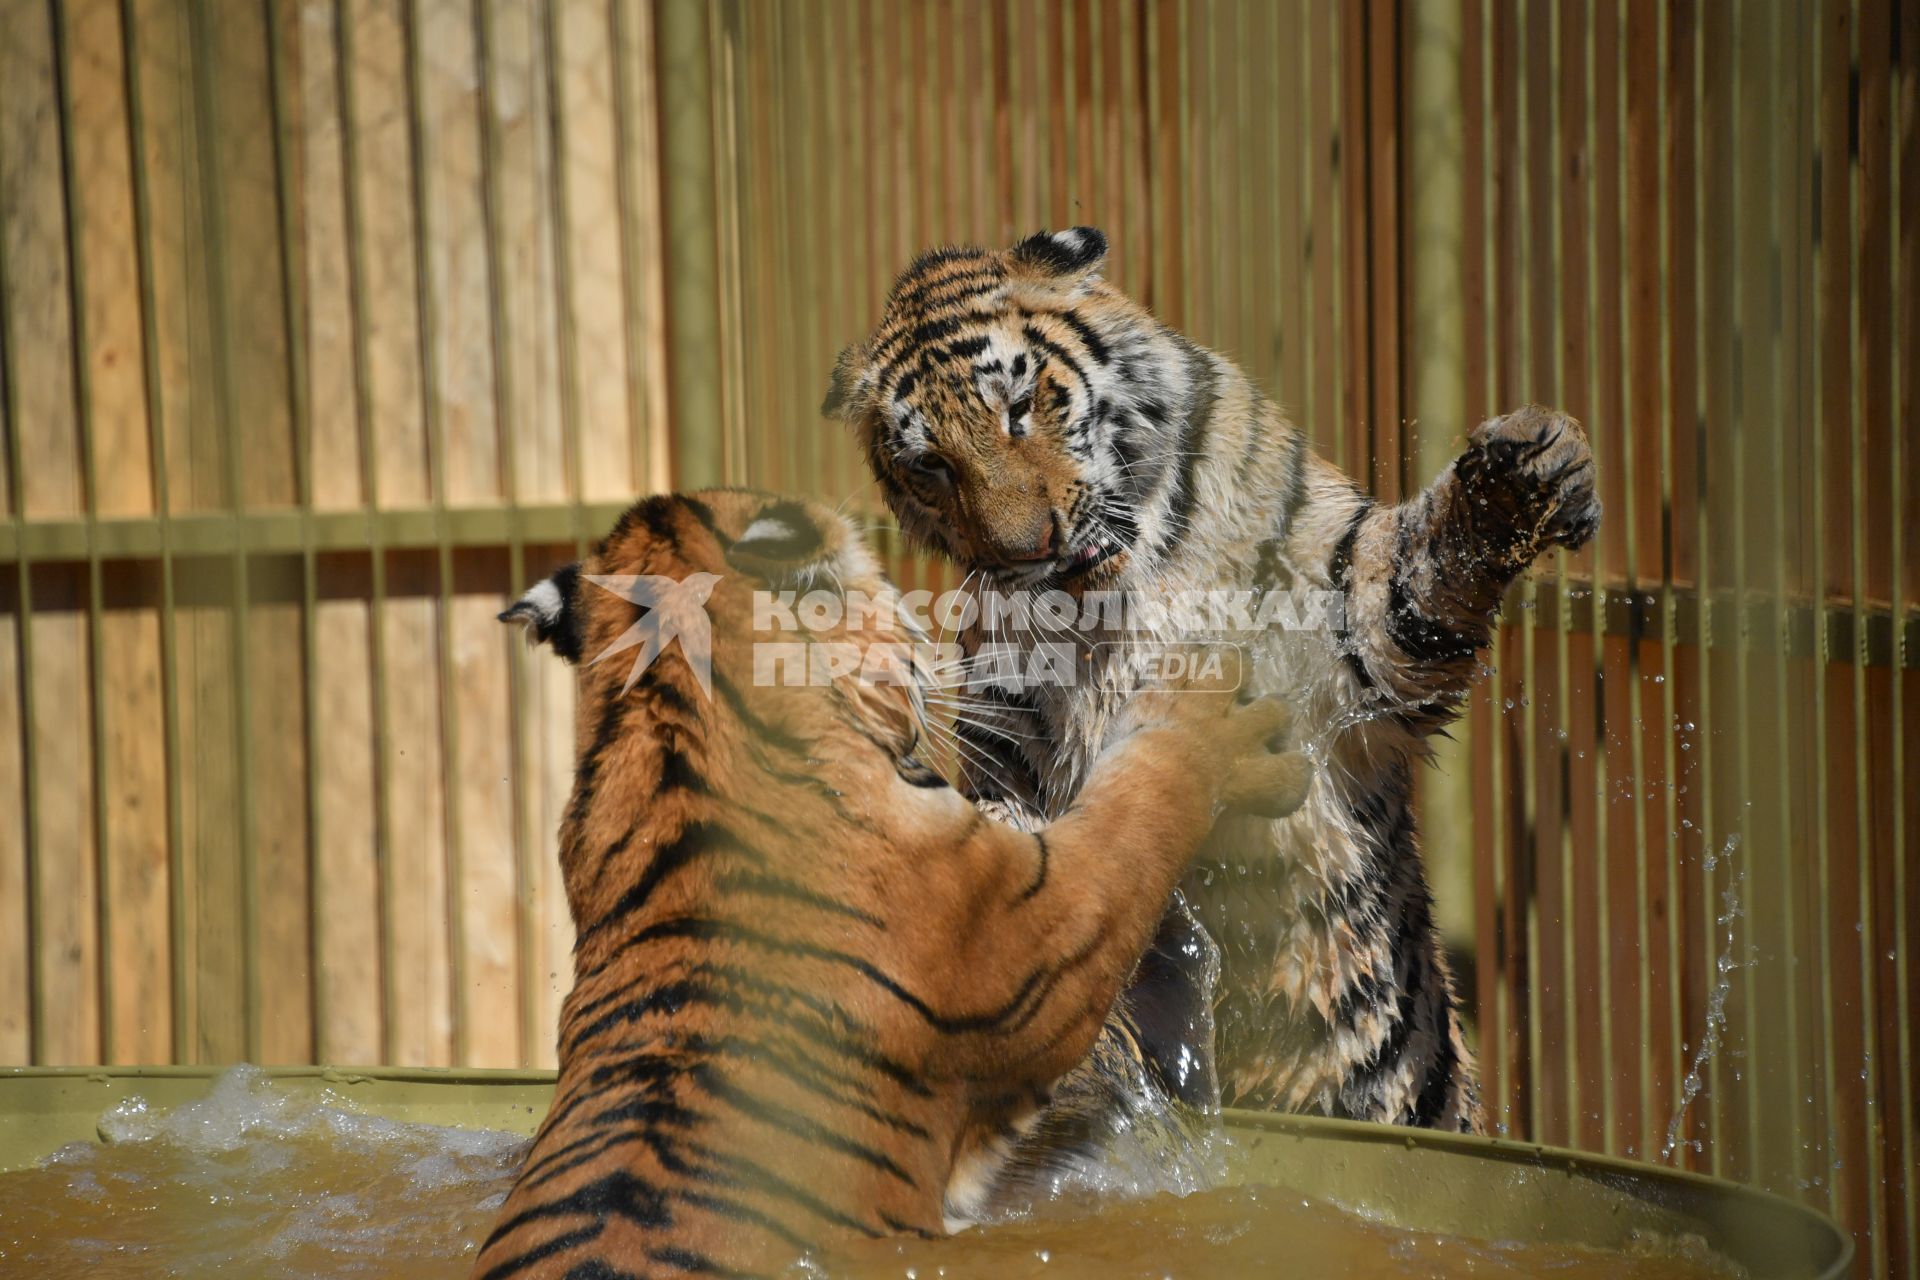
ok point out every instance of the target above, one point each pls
(1040, 549)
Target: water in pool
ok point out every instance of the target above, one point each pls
(253, 1182)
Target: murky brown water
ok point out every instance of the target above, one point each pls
(251, 1182)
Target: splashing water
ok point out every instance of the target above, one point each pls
(254, 1181)
(1712, 1038)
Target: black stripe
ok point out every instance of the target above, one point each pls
(787, 1120)
(1040, 873)
(1054, 351)
(1339, 573)
(540, 1252)
(692, 1262)
(830, 1027)
(1003, 1019)
(739, 1172)
(764, 885)
(696, 840)
(1191, 442)
(1096, 348)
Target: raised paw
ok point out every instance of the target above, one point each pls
(1262, 776)
(1535, 464)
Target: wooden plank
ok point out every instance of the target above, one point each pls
(546, 755)
(349, 907)
(1625, 974)
(1610, 426)
(385, 240)
(64, 874)
(1356, 419)
(244, 263)
(1681, 228)
(1835, 285)
(1391, 451)
(281, 952)
(527, 341)
(1694, 958)
(457, 261)
(1846, 981)
(1521, 914)
(38, 284)
(1325, 421)
(1892, 1076)
(1506, 167)
(1873, 519)
(1646, 483)
(139, 1018)
(594, 290)
(211, 940)
(113, 357)
(1602, 925)
(644, 252)
(419, 1030)
(490, 963)
(335, 463)
(1907, 296)
(16, 929)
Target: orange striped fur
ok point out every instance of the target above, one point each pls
(815, 988)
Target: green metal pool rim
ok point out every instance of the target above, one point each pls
(1605, 1169)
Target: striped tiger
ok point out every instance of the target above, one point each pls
(814, 987)
(1030, 422)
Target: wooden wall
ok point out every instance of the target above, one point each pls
(1692, 224)
(327, 324)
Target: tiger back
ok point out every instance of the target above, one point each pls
(816, 992)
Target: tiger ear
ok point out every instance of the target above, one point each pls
(548, 612)
(845, 383)
(1077, 251)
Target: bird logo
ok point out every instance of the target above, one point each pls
(670, 609)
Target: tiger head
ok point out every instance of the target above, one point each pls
(1023, 416)
(670, 608)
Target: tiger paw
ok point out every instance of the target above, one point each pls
(1534, 469)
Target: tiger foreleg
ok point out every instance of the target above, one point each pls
(1428, 575)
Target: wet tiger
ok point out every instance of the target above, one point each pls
(815, 989)
(1039, 428)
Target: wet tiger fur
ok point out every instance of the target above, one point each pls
(1030, 422)
(815, 988)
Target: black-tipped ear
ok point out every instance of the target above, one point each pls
(846, 373)
(1072, 252)
(549, 613)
